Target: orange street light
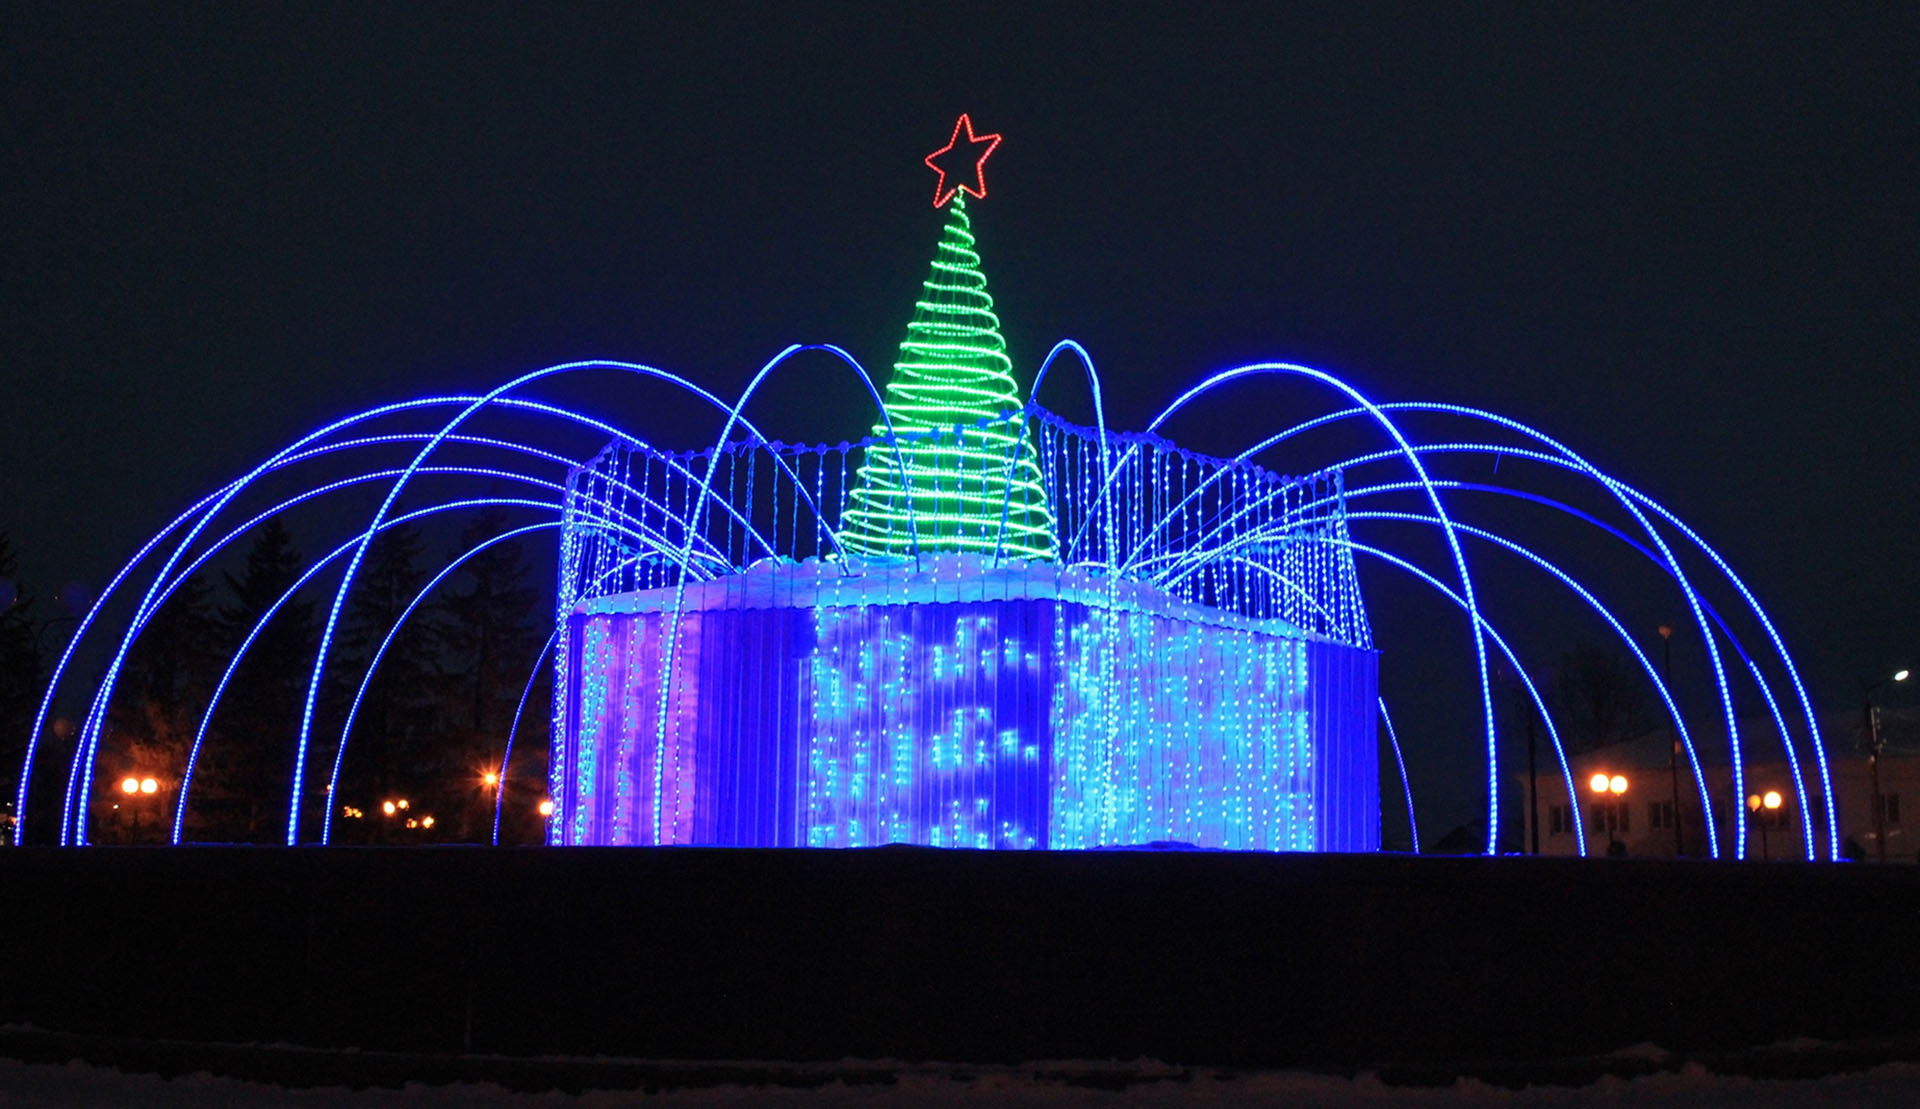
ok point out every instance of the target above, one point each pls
(389, 807)
(546, 806)
(491, 779)
(1603, 784)
(1770, 802)
(148, 785)
(130, 785)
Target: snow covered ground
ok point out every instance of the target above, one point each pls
(936, 1085)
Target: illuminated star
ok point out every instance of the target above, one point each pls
(957, 157)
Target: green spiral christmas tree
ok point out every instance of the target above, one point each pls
(971, 482)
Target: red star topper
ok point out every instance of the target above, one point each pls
(957, 156)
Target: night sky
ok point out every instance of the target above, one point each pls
(1680, 238)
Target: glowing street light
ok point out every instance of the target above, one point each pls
(135, 788)
(546, 807)
(1769, 801)
(491, 779)
(1603, 785)
(389, 808)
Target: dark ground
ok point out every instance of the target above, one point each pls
(1418, 965)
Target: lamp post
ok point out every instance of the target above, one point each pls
(137, 788)
(1770, 802)
(1603, 785)
(1523, 707)
(1874, 749)
(1673, 749)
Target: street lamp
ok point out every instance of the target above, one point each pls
(1615, 785)
(1673, 749)
(546, 807)
(1770, 801)
(136, 789)
(1875, 747)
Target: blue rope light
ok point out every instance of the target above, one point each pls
(506, 754)
(1406, 785)
(373, 665)
(1219, 532)
(240, 653)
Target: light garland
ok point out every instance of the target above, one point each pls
(971, 482)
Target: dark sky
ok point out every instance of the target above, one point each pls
(1681, 238)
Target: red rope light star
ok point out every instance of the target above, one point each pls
(957, 156)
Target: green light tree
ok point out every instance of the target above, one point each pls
(968, 485)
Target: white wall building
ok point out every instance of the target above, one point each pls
(1645, 820)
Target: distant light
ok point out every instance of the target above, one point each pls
(389, 808)
(1598, 784)
(1772, 799)
(1617, 784)
(1753, 802)
(403, 802)
(546, 806)
(1900, 675)
(130, 785)
(148, 785)
(426, 822)
(492, 779)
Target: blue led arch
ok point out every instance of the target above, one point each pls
(1214, 534)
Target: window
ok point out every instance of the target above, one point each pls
(1889, 809)
(1614, 817)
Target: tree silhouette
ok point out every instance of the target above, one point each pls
(1596, 698)
(243, 778)
(404, 708)
(22, 670)
(491, 637)
(159, 700)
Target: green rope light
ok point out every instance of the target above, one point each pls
(961, 479)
